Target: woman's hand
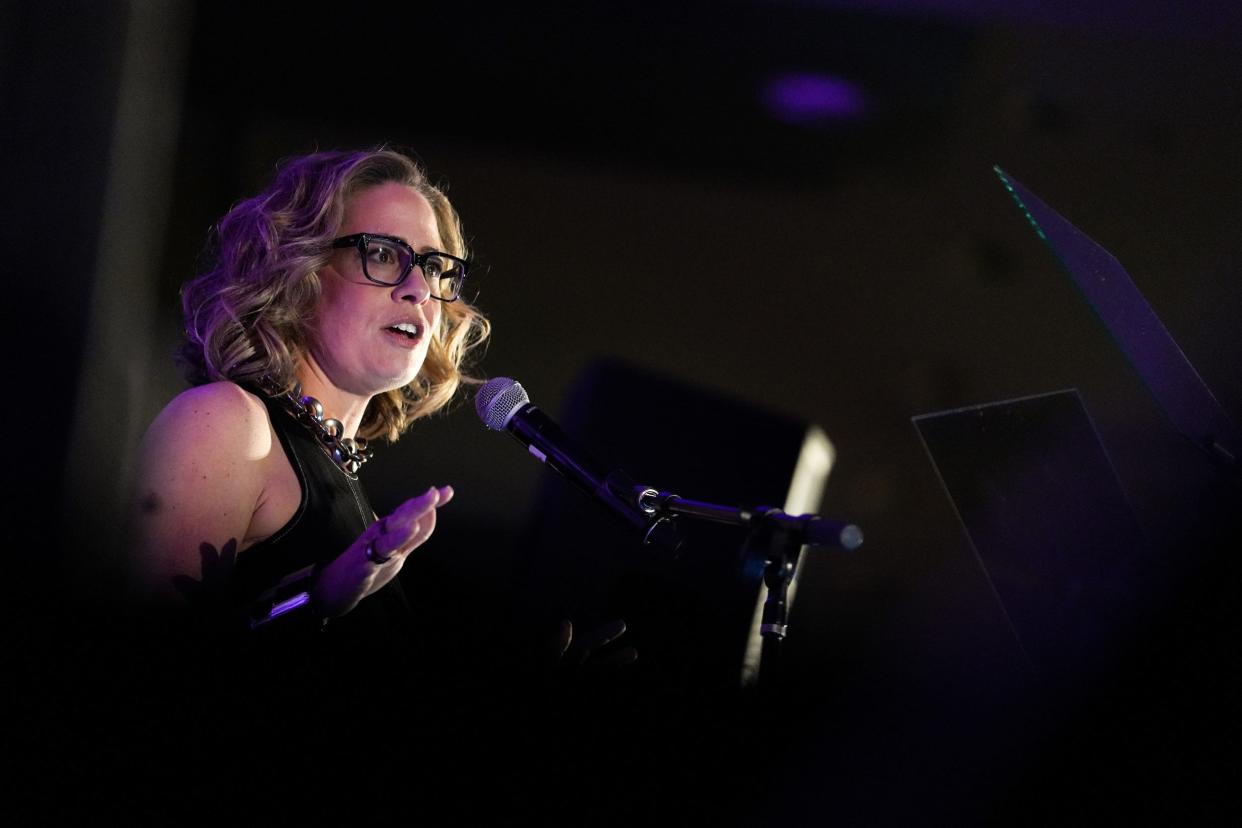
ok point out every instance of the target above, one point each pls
(378, 554)
(585, 649)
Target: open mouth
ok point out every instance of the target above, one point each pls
(406, 330)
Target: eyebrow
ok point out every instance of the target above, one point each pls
(426, 248)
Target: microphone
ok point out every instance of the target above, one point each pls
(503, 405)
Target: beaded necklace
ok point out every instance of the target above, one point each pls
(348, 453)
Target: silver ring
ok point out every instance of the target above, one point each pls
(373, 558)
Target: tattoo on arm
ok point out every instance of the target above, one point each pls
(216, 569)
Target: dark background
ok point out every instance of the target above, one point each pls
(629, 195)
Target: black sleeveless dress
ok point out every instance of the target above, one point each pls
(333, 512)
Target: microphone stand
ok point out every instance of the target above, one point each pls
(784, 546)
(779, 536)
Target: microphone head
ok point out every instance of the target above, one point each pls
(498, 400)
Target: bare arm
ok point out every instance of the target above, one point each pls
(202, 470)
(206, 470)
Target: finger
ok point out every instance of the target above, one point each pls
(406, 516)
(379, 542)
(422, 531)
(564, 637)
(431, 499)
(411, 523)
(423, 503)
(389, 535)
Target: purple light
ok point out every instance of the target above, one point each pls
(812, 98)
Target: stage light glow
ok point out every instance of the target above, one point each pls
(813, 98)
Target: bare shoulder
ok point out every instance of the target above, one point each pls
(216, 431)
(217, 404)
(207, 418)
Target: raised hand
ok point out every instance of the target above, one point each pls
(378, 554)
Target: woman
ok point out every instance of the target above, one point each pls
(331, 315)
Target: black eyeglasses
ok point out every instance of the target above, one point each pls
(387, 260)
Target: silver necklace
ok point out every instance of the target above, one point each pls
(348, 453)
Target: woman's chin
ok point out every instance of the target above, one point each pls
(393, 382)
(389, 377)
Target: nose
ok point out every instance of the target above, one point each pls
(414, 289)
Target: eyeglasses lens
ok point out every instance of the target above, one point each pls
(385, 262)
(388, 263)
(444, 275)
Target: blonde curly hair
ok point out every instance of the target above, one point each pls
(247, 315)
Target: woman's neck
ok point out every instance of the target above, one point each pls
(341, 405)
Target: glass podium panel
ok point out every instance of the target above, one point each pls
(1046, 515)
(1148, 346)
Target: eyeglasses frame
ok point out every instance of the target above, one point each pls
(359, 242)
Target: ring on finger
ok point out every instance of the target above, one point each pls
(374, 557)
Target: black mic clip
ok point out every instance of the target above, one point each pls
(626, 498)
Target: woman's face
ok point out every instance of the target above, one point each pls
(353, 339)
